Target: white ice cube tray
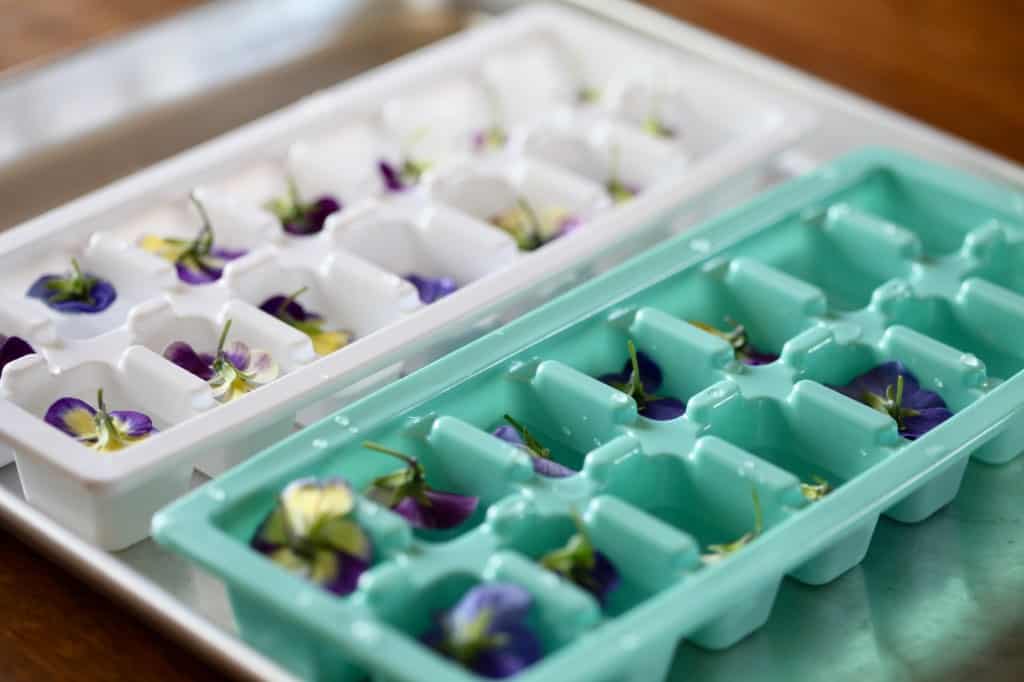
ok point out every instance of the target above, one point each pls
(524, 72)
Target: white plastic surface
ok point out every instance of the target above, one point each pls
(523, 72)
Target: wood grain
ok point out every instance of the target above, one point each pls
(955, 64)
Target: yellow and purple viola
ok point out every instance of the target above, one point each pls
(98, 428)
(488, 631)
(300, 218)
(312, 532)
(291, 312)
(75, 292)
(197, 261)
(12, 348)
(717, 553)
(532, 228)
(893, 390)
(231, 371)
(431, 289)
(407, 493)
(738, 338)
(540, 456)
(578, 562)
(639, 378)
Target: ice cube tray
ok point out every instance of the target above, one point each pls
(872, 258)
(525, 72)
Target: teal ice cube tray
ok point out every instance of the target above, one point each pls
(875, 257)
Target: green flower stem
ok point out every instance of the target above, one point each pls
(411, 462)
(532, 443)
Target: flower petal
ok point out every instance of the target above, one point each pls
(102, 294)
(168, 249)
(507, 603)
(262, 368)
(431, 289)
(325, 343)
(316, 215)
(238, 354)
(550, 468)
(916, 426)
(197, 271)
(184, 356)
(753, 357)
(12, 348)
(392, 178)
(508, 434)
(663, 409)
(275, 305)
(132, 424)
(74, 417)
(603, 578)
(650, 373)
(446, 510)
(520, 649)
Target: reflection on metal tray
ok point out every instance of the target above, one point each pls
(891, 618)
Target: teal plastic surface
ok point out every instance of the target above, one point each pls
(875, 257)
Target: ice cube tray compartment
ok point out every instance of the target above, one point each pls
(657, 493)
(523, 74)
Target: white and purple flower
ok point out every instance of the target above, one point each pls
(639, 379)
(300, 218)
(578, 562)
(540, 456)
(291, 312)
(891, 389)
(12, 348)
(532, 228)
(75, 292)
(738, 338)
(431, 289)
(231, 372)
(97, 428)
(197, 261)
(487, 631)
(398, 178)
(312, 533)
(406, 492)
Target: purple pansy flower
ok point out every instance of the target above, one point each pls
(639, 378)
(312, 532)
(540, 456)
(406, 492)
(12, 348)
(300, 218)
(891, 389)
(532, 228)
(432, 288)
(197, 261)
(75, 292)
(231, 372)
(739, 340)
(717, 553)
(97, 428)
(291, 312)
(487, 631)
(578, 562)
(398, 178)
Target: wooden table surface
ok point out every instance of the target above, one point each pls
(955, 64)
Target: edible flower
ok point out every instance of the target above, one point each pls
(583, 565)
(74, 292)
(312, 533)
(891, 389)
(490, 138)
(290, 311)
(739, 340)
(300, 218)
(616, 188)
(487, 631)
(432, 288)
(816, 490)
(531, 229)
(197, 261)
(407, 493)
(230, 372)
(97, 428)
(540, 456)
(639, 378)
(718, 552)
(398, 178)
(12, 348)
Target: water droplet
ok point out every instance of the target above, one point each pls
(939, 383)
(216, 493)
(970, 360)
(700, 245)
(319, 443)
(341, 420)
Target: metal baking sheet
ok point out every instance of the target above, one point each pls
(927, 596)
